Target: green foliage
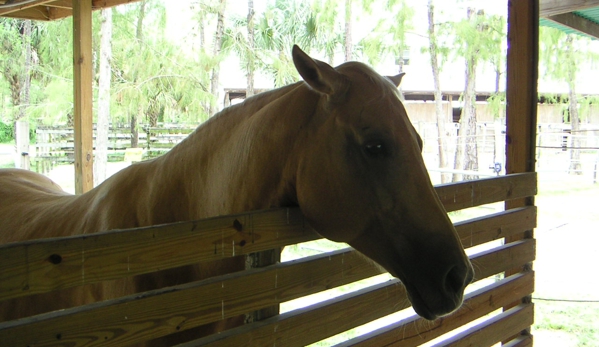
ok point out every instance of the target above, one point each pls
(496, 105)
(168, 84)
(588, 104)
(561, 54)
(6, 132)
(480, 37)
(389, 35)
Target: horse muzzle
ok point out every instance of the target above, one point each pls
(444, 295)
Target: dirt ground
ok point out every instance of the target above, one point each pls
(567, 286)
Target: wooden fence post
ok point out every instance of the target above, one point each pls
(521, 104)
(22, 139)
(82, 85)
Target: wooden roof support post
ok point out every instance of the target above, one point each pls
(82, 65)
(521, 95)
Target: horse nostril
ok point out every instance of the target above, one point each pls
(455, 280)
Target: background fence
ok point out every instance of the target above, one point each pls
(493, 310)
(55, 144)
(553, 151)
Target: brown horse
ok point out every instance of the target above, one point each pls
(338, 145)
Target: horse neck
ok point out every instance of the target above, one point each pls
(244, 158)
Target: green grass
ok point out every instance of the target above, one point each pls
(567, 239)
(578, 320)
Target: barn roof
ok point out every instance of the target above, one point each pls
(47, 10)
(571, 16)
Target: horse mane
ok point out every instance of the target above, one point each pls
(383, 86)
(256, 102)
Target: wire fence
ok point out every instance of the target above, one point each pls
(558, 149)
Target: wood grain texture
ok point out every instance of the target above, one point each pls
(320, 321)
(554, 7)
(521, 104)
(414, 331)
(520, 341)
(507, 323)
(577, 23)
(495, 226)
(46, 265)
(522, 79)
(83, 96)
(157, 313)
(47, 10)
(457, 196)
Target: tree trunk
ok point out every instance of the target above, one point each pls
(26, 76)
(467, 149)
(471, 147)
(575, 165)
(442, 135)
(101, 157)
(135, 129)
(348, 27)
(139, 35)
(218, 41)
(466, 157)
(251, 48)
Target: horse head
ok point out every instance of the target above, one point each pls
(361, 179)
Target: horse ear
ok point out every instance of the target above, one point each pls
(397, 78)
(319, 75)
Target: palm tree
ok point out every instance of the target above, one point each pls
(276, 32)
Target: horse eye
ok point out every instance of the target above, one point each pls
(375, 148)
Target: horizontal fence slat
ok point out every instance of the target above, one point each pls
(501, 326)
(457, 196)
(13, 277)
(414, 330)
(26, 268)
(305, 326)
(520, 341)
(495, 226)
(502, 258)
(157, 313)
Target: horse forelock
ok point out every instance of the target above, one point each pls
(380, 86)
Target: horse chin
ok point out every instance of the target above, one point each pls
(424, 309)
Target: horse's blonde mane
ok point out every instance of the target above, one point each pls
(254, 103)
(383, 85)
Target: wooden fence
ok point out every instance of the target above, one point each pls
(55, 144)
(46, 265)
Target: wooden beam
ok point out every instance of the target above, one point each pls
(18, 6)
(40, 13)
(521, 109)
(548, 8)
(66, 4)
(101, 4)
(522, 76)
(82, 65)
(577, 23)
(46, 10)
